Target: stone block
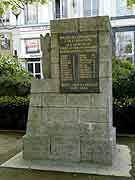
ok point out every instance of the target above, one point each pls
(94, 130)
(61, 129)
(45, 85)
(55, 71)
(105, 39)
(95, 151)
(113, 136)
(105, 52)
(65, 148)
(54, 40)
(78, 100)
(99, 23)
(36, 100)
(28, 155)
(105, 69)
(88, 24)
(98, 101)
(37, 118)
(35, 115)
(106, 86)
(55, 56)
(65, 25)
(93, 115)
(36, 147)
(62, 115)
(103, 23)
(110, 113)
(53, 99)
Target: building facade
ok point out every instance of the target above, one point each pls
(122, 19)
(81, 8)
(24, 40)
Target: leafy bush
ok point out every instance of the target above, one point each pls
(14, 100)
(15, 84)
(13, 112)
(14, 79)
(124, 115)
(123, 79)
(123, 96)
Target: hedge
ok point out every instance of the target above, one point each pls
(13, 112)
(124, 115)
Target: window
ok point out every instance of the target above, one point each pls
(60, 8)
(32, 46)
(64, 8)
(125, 45)
(122, 9)
(31, 14)
(57, 8)
(90, 7)
(5, 41)
(5, 18)
(34, 66)
(95, 8)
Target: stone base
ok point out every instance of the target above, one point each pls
(121, 166)
(74, 143)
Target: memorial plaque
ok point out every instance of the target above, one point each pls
(79, 63)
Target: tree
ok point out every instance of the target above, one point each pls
(14, 79)
(123, 79)
(15, 4)
(130, 3)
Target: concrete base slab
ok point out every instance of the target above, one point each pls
(121, 166)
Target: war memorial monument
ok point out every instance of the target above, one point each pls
(70, 113)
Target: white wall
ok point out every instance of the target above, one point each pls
(43, 14)
(107, 7)
(74, 12)
(20, 34)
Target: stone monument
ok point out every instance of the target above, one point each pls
(70, 113)
(46, 53)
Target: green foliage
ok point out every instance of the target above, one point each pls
(124, 102)
(14, 100)
(15, 4)
(13, 112)
(14, 79)
(128, 48)
(123, 96)
(130, 3)
(123, 79)
(124, 115)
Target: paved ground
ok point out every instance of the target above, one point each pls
(11, 143)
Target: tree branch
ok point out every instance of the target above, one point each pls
(17, 4)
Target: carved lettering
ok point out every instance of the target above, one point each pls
(79, 69)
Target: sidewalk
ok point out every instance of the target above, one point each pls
(10, 144)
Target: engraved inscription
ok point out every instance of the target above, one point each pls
(66, 64)
(88, 65)
(65, 148)
(79, 62)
